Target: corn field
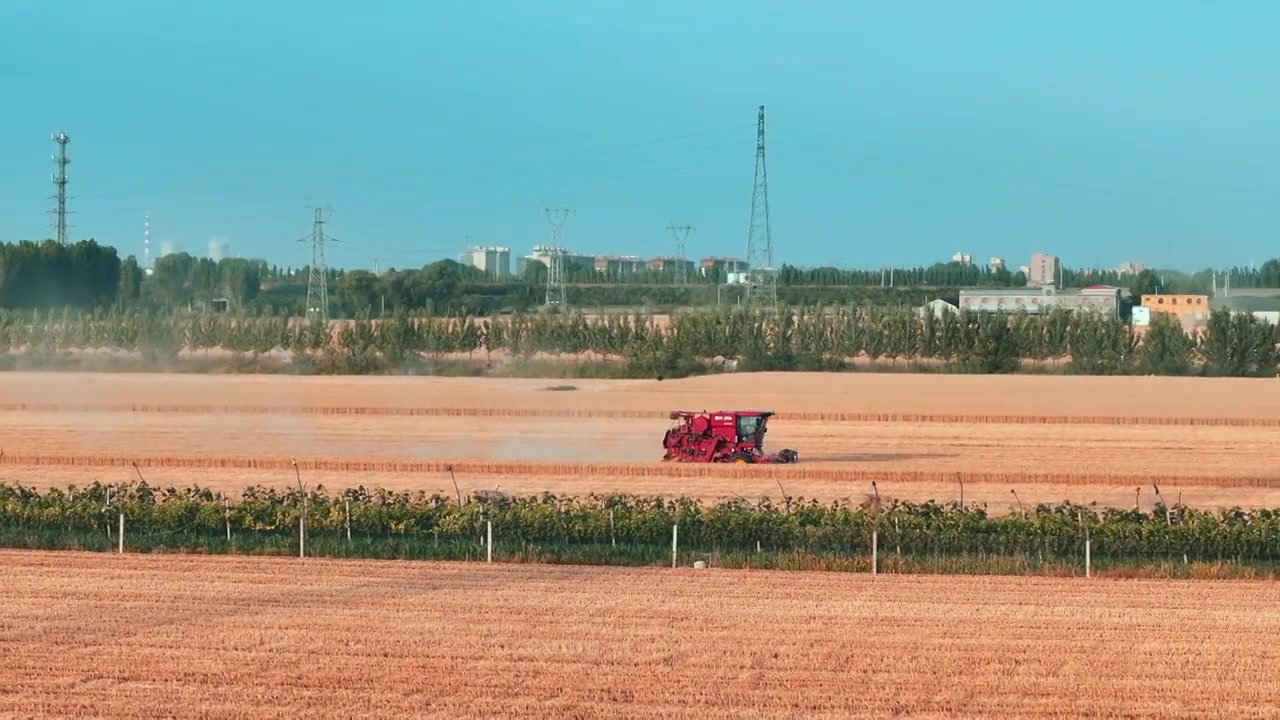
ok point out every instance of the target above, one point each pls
(815, 338)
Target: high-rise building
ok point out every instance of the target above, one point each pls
(495, 262)
(1043, 269)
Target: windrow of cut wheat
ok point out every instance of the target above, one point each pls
(850, 477)
(615, 413)
(626, 530)
(803, 339)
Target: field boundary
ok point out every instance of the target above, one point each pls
(569, 413)
(587, 470)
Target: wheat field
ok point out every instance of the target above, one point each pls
(145, 636)
(1043, 438)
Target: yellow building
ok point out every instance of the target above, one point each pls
(1183, 307)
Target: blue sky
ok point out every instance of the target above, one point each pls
(898, 132)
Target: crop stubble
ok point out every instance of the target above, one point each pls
(276, 637)
(1105, 437)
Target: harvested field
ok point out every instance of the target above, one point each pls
(136, 636)
(917, 436)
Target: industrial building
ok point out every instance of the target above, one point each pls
(1035, 301)
(494, 261)
(1188, 309)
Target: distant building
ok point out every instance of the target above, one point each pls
(1043, 270)
(962, 258)
(1141, 316)
(1186, 308)
(618, 264)
(1036, 301)
(1130, 268)
(729, 265)
(495, 261)
(218, 251)
(996, 263)
(665, 264)
(168, 248)
(938, 307)
(543, 253)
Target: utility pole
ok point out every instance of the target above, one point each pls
(762, 284)
(318, 274)
(680, 232)
(555, 256)
(60, 180)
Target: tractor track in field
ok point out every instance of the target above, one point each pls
(588, 470)
(614, 413)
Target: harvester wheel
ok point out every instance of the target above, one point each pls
(740, 459)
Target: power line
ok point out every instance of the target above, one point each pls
(318, 271)
(415, 180)
(762, 284)
(555, 256)
(680, 232)
(60, 180)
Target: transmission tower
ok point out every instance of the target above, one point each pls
(555, 256)
(60, 180)
(762, 286)
(318, 271)
(680, 232)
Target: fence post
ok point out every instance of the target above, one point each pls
(875, 550)
(120, 547)
(613, 534)
(226, 516)
(675, 535)
(488, 542)
(1088, 571)
(347, 505)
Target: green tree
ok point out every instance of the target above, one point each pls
(1166, 349)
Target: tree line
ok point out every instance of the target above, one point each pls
(807, 339)
(87, 275)
(621, 529)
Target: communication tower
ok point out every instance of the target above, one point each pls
(60, 180)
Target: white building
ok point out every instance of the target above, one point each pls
(218, 251)
(494, 261)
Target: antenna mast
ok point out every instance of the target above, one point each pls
(318, 271)
(146, 241)
(60, 180)
(762, 286)
(680, 232)
(555, 256)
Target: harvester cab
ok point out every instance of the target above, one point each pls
(735, 436)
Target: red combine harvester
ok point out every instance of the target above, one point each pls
(734, 436)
